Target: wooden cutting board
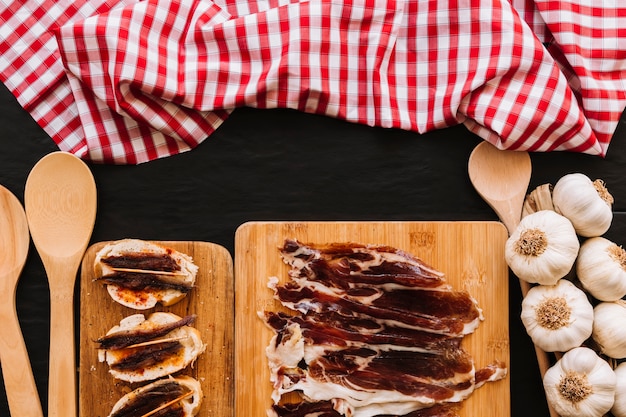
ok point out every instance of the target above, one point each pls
(211, 300)
(471, 254)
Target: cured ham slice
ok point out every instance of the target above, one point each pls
(446, 312)
(352, 265)
(378, 282)
(332, 329)
(374, 331)
(325, 409)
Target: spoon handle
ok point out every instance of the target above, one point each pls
(18, 377)
(62, 367)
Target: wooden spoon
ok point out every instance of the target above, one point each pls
(18, 377)
(501, 178)
(60, 200)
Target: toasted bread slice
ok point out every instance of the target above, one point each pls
(153, 358)
(139, 274)
(182, 392)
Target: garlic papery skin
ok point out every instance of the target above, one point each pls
(601, 269)
(609, 328)
(619, 408)
(557, 317)
(580, 384)
(587, 204)
(543, 248)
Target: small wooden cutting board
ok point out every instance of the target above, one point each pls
(471, 254)
(211, 300)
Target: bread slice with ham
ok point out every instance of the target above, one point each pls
(180, 396)
(144, 349)
(140, 274)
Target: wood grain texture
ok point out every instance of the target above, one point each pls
(471, 254)
(501, 177)
(211, 300)
(60, 200)
(19, 381)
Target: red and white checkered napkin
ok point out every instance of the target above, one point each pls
(145, 79)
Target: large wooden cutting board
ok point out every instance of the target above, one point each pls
(471, 254)
(211, 300)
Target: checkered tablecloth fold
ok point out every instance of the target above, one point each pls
(148, 79)
(104, 55)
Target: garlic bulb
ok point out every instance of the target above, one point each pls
(619, 408)
(543, 248)
(601, 269)
(580, 384)
(609, 331)
(586, 203)
(557, 317)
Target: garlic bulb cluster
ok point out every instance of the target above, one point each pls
(557, 317)
(560, 316)
(587, 204)
(580, 384)
(601, 269)
(609, 331)
(543, 248)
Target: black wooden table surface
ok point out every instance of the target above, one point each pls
(286, 165)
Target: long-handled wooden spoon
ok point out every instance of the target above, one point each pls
(60, 201)
(19, 382)
(501, 178)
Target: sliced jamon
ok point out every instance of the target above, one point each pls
(374, 332)
(304, 409)
(325, 409)
(364, 382)
(446, 312)
(333, 329)
(350, 264)
(376, 281)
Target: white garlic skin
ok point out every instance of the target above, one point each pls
(596, 372)
(575, 197)
(609, 329)
(557, 332)
(619, 408)
(599, 269)
(560, 252)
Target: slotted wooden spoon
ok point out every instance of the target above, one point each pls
(501, 178)
(19, 382)
(60, 201)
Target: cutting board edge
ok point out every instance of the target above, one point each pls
(242, 227)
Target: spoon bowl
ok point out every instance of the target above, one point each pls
(60, 202)
(18, 377)
(501, 177)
